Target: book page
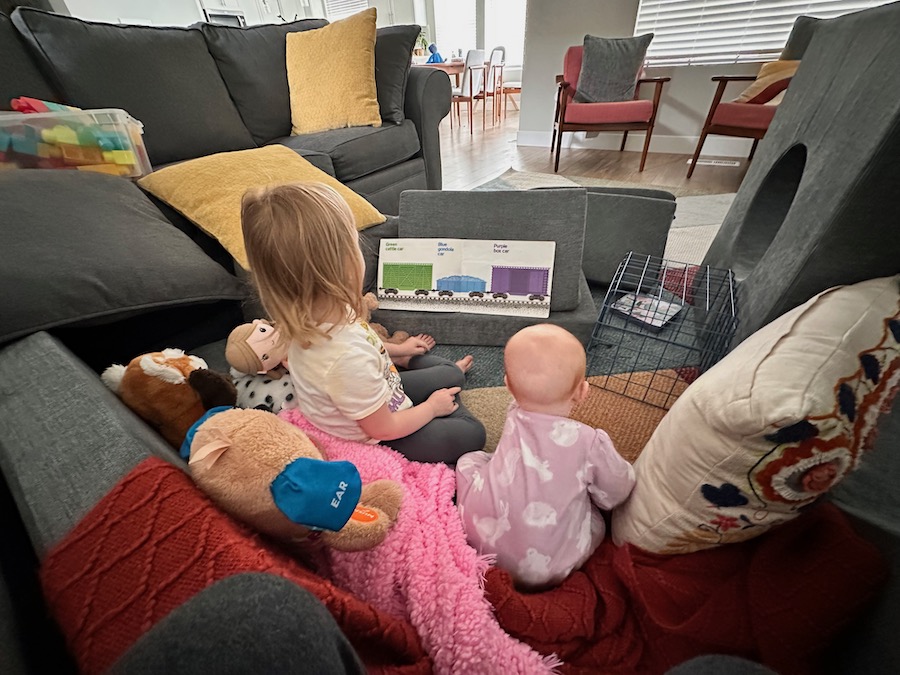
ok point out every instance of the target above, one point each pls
(477, 276)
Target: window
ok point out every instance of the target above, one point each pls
(454, 24)
(727, 31)
(504, 24)
(340, 9)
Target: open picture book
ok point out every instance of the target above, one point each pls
(478, 276)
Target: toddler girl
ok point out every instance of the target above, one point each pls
(534, 502)
(304, 254)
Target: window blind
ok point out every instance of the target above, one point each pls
(454, 26)
(340, 9)
(504, 25)
(688, 32)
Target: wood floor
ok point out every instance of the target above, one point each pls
(472, 159)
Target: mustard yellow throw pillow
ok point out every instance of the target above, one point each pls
(208, 190)
(331, 75)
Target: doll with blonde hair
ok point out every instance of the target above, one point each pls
(305, 260)
(534, 503)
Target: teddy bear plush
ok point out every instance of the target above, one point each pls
(257, 467)
(269, 474)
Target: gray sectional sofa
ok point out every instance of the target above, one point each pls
(109, 272)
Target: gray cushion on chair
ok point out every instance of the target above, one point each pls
(65, 439)
(526, 215)
(610, 68)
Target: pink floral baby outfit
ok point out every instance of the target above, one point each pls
(534, 501)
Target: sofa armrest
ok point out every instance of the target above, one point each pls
(65, 439)
(427, 103)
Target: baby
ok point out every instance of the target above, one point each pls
(534, 502)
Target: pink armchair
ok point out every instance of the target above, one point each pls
(634, 115)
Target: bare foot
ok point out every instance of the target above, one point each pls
(465, 363)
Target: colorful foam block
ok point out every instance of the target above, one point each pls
(119, 157)
(81, 154)
(111, 169)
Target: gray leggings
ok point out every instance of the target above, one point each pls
(443, 439)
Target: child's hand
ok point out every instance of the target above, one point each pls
(442, 401)
(417, 344)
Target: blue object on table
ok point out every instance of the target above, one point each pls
(435, 56)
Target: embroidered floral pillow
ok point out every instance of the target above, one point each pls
(773, 426)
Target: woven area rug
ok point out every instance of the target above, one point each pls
(698, 212)
(527, 180)
(628, 422)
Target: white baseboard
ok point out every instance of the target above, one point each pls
(715, 146)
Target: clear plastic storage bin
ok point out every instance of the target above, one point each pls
(104, 141)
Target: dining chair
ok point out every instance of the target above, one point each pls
(470, 86)
(493, 88)
(633, 115)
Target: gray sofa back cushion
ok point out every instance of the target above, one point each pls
(19, 76)
(83, 248)
(252, 63)
(164, 77)
(393, 50)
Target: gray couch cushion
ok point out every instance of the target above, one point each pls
(252, 63)
(164, 77)
(19, 76)
(358, 151)
(610, 68)
(528, 215)
(87, 248)
(65, 439)
(393, 46)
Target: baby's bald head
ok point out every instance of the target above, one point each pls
(545, 365)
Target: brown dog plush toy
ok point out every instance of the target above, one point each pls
(254, 465)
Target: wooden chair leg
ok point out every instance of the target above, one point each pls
(753, 149)
(646, 147)
(484, 114)
(624, 138)
(697, 153)
(553, 140)
(471, 116)
(558, 147)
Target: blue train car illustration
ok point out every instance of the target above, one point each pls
(519, 280)
(460, 283)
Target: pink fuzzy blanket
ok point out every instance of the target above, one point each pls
(424, 571)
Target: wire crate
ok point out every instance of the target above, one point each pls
(661, 325)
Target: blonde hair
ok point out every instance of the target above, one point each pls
(301, 244)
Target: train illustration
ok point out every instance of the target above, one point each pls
(506, 281)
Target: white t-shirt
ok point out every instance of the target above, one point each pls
(342, 380)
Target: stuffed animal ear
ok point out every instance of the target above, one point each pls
(214, 389)
(203, 458)
(112, 376)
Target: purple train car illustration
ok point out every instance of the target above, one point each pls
(520, 280)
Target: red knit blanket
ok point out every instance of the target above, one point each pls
(154, 542)
(779, 599)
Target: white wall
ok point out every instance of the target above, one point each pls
(157, 12)
(552, 27)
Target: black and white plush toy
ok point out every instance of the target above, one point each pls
(263, 392)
